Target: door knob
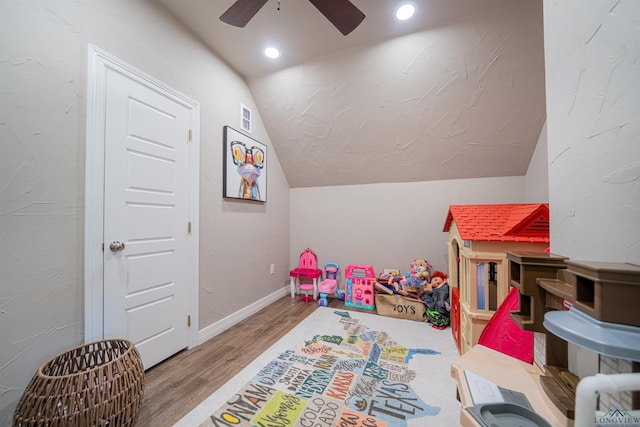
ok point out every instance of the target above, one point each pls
(116, 246)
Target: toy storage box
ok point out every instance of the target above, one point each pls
(359, 286)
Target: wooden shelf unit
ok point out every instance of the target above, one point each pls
(524, 270)
(607, 291)
(604, 291)
(539, 278)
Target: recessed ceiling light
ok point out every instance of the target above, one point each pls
(405, 11)
(271, 52)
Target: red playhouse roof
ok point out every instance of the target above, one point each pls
(506, 223)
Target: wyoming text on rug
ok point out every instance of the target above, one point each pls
(359, 370)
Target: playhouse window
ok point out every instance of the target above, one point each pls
(481, 285)
(487, 285)
(493, 286)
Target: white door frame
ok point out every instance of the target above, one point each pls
(99, 62)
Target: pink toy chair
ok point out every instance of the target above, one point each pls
(307, 269)
(329, 284)
(306, 287)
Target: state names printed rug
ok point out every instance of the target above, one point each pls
(342, 368)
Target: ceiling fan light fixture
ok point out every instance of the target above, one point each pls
(405, 11)
(271, 52)
(341, 13)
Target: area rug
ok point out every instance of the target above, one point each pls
(342, 368)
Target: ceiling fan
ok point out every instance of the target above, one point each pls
(341, 13)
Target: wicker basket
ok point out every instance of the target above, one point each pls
(96, 384)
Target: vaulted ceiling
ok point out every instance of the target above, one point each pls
(457, 92)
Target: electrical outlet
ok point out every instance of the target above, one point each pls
(272, 269)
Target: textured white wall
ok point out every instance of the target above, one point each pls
(43, 62)
(387, 225)
(592, 56)
(536, 184)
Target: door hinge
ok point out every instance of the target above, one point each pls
(189, 135)
(189, 227)
(188, 320)
(102, 246)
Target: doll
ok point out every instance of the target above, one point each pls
(438, 280)
(436, 297)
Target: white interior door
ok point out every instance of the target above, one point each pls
(146, 218)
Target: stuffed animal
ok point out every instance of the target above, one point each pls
(416, 278)
(420, 269)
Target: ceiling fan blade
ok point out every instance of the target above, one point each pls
(241, 12)
(341, 13)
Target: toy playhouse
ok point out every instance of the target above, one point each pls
(359, 286)
(479, 238)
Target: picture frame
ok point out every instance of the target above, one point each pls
(244, 171)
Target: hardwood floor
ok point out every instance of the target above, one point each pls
(177, 385)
